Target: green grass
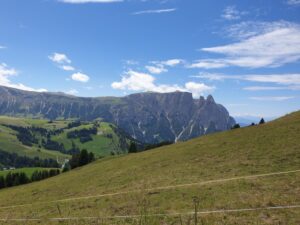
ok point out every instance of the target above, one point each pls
(267, 148)
(100, 146)
(10, 143)
(27, 171)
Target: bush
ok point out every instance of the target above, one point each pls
(236, 126)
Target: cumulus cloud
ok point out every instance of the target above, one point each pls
(80, 77)
(59, 58)
(62, 61)
(7, 72)
(155, 11)
(67, 68)
(136, 81)
(274, 46)
(156, 69)
(159, 67)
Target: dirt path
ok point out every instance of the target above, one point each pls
(154, 215)
(156, 188)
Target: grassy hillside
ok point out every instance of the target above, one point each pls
(145, 182)
(105, 142)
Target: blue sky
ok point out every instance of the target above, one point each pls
(245, 53)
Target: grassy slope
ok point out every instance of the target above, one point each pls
(100, 146)
(253, 150)
(10, 143)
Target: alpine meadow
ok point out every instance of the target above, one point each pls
(150, 112)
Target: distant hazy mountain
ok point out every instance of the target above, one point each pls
(148, 117)
(247, 120)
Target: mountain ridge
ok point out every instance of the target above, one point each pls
(149, 116)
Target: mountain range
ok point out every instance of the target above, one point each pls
(148, 117)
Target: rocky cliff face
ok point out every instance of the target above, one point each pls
(148, 117)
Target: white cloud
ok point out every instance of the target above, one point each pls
(263, 88)
(293, 2)
(156, 69)
(271, 88)
(136, 81)
(72, 92)
(247, 29)
(281, 79)
(277, 45)
(285, 79)
(89, 1)
(80, 77)
(198, 88)
(131, 62)
(67, 68)
(1, 47)
(160, 66)
(156, 11)
(6, 73)
(231, 13)
(59, 58)
(208, 64)
(172, 62)
(272, 98)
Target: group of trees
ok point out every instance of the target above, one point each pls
(53, 145)
(19, 178)
(84, 135)
(14, 160)
(24, 135)
(27, 136)
(81, 159)
(76, 123)
(133, 148)
(44, 174)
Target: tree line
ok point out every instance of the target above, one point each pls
(19, 178)
(14, 160)
(134, 148)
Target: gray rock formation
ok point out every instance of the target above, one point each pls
(148, 117)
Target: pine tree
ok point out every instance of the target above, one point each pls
(23, 179)
(2, 182)
(9, 180)
(262, 121)
(84, 157)
(91, 157)
(132, 148)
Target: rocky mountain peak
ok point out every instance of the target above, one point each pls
(210, 99)
(149, 117)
